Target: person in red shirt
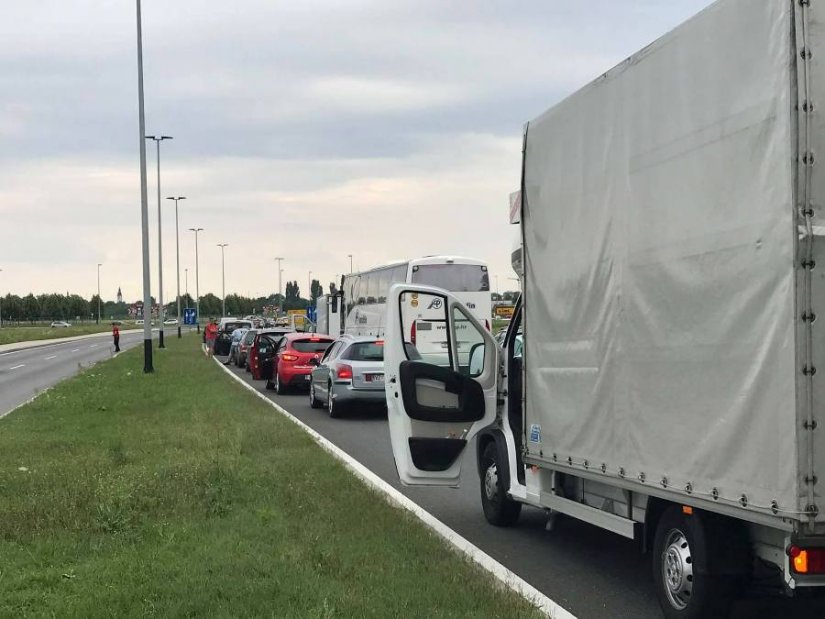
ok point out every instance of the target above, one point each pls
(211, 333)
(116, 336)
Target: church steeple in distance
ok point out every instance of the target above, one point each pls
(119, 295)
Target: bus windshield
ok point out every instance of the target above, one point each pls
(452, 277)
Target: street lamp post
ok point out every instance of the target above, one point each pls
(187, 287)
(280, 270)
(99, 264)
(197, 280)
(144, 205)
(158, 139)
(177, 252)
(1, 308)
(309, 286)
(223, 280)
(350, 262)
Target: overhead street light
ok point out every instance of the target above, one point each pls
(187, 287)
(99, 264)
(1, 308)
(177, 252)
(197, 280)
(309, 286)
(158, 139)
(144, 207)
(223, 281)
(350, 263)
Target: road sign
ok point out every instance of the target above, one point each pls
(190, 316)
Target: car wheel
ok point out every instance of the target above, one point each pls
(270, 385)
(313, 401)
(333, 409)
(280, 388)
(499, 509)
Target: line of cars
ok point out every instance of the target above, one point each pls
(338, 373)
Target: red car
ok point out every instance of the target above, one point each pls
(262, 352)
(291, 367)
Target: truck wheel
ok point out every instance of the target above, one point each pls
(686, 588)
(499, 509)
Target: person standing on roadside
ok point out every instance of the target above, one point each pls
(116, 336)
(211, 332)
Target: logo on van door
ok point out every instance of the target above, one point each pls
(435, 303)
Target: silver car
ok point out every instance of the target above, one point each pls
(351, 371)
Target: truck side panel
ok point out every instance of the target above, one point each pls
(659, 227)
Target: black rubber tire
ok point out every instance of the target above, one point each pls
(280, 388)
(269, 386)
(333, 409)
(313, 401)
(499, 510)
(712, 594)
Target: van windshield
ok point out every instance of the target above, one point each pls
(453, 277)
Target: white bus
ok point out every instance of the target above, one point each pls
(364, 296)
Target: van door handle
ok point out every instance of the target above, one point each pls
(392, 379)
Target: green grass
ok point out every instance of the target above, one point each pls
(10, 335)
(180, 494)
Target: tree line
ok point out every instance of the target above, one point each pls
(33, 308)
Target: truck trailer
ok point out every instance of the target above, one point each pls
(659, 376)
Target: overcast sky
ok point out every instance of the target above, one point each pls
(309, 130)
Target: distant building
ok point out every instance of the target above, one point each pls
(119, 295)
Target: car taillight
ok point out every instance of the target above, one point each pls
(412, 333)
(807, 560)
(344, 371)
(288, 357)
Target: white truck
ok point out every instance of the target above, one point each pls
(672, 270)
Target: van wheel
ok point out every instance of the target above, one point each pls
(499, 509)
(280, 388)
(313, 401)
(687, 588)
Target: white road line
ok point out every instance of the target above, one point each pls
(93, 346)
(16, 367)
(52, 357)
(500, 572)
(74, 350)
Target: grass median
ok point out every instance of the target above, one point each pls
(181, 494)
(12, 335)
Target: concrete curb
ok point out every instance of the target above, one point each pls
(500, 572)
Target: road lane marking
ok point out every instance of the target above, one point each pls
(74, 350)
(17, 367)
(509, 579)
(93, 346)
(52, 357)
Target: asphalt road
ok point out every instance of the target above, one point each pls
(592, 573)
(25, 373)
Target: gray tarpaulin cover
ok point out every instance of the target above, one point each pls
(660, 236)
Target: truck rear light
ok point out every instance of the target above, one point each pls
(807, 560)
(288, 357)
(344, 371)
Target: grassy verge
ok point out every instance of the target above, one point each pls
(181, 494)
(10, 335)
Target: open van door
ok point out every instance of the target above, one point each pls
(441, 368)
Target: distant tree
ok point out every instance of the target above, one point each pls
(509, 296)
(210, 306)
(31, 308)
(333, 289)
(315, 291)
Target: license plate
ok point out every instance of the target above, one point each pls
(374, 378)
(307, 377)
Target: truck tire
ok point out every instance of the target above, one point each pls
(499, 509)
(685, 586)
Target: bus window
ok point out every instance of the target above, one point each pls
(383, 277)
(398, 274)
(453, 277)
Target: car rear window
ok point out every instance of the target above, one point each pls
(365, 351)
(311, 345)
(229, 327)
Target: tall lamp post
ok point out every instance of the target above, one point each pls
(309, 286)
(99, 264)
(278, 260)
(186, 272)
(177, 252)
(197, 280)
(223, 280)
(144, 206)
(350, 262)
(1, 308)
(158, 139)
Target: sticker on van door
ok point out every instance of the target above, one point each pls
(535, 433)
